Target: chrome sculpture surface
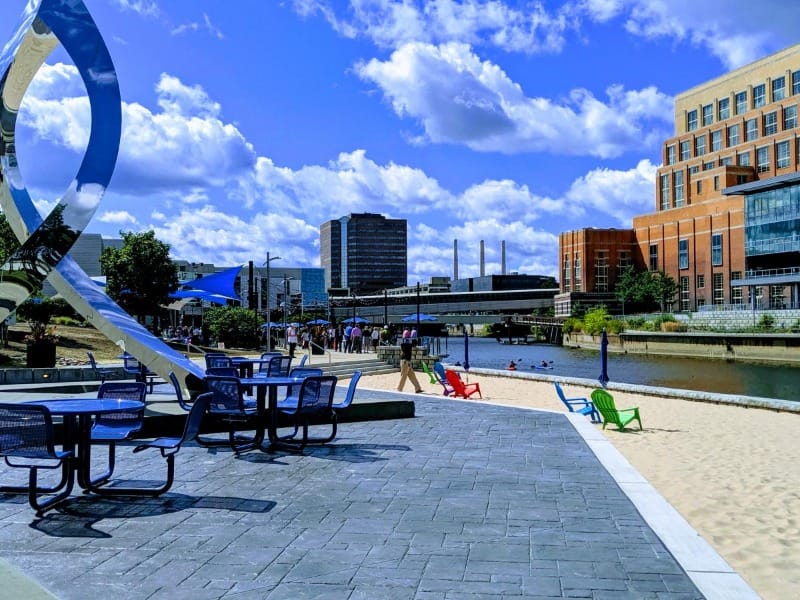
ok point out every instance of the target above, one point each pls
(45, 242)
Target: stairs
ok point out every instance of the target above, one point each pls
(345, 367)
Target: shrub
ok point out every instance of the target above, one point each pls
(572, 325)
(615, 326)
(596, 320)
(673, 326)
(766, 323)
(635, 323)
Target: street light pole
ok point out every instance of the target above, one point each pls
(269, 315)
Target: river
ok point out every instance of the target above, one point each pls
(747, 379)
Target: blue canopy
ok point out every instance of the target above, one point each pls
(201, 295)
(217, 283)
(355, 320)
(318, 322)
(422, 317)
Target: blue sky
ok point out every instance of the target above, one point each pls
(248, 123)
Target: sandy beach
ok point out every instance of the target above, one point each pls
(732, 472)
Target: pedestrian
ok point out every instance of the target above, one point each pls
(406, 370)
(346, 344)
(355, 339)
(376, 338)
(291, 339)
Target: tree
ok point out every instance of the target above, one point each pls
(663, 288)
(140, 275)
(627, 287)
(233, 325)
(8, 241)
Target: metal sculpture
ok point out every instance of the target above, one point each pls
(46, 242)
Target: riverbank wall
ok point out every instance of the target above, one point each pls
(747, 347)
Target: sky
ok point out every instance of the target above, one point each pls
(249, 123)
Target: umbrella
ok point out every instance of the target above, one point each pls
(466, 351)
(318, 322)
(418, 317)
(355, 320)
(271, 324)
(603, 379)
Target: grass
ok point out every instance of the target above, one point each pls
(73, 343)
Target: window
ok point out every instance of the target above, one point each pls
(776, 299)
(740, 179)
(700, 145)
(719, 291)
(778, 88)
(694, 170)
(654, 257)
(677, 184)
(736, 292)
(624, 260)
(723, 109)
(683, 254)
(578, 287)
(567, 274)
(684, 283)
(743, 159)
(725, 161)
(601, 271)
(762, 159)
(759, 95)
(699, 186)
(686, 150)
(701, 281)
(771, 123)
(750, 130)
(716, 249)
(741, 103)
(716, 182)
(664, 192)
(708, 114)
(716, 140)
(691, 120)
(796, 82)
(671, 154)
(707, 166)
(733, 135)
(782, 157)
(790, 116)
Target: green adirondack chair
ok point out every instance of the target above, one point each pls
(604, 402)
(428, 372)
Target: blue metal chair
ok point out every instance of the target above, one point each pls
(217, 361)
(583, 406)
(169, 447)
(116, 427)
(100, 373)
(179, 391)
(350, 394)
(314, 406)
(140, 372)
(293, 391)
(27, 438)
(278, 366)
(229, 403)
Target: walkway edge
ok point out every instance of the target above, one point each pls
(712, 575)
(17, 584)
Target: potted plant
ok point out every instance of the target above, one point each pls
(42, 339)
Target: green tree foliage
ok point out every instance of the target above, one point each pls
(663, 289)
(236, 327)
(8, 241)
(140, 275)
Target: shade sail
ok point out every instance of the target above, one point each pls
(412, 318)
(217, 283)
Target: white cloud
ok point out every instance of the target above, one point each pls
(194, 26)
(391, 23)
(146, 8)
(459, 99)
(117, 217)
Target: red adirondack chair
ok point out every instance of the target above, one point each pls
(461, 389)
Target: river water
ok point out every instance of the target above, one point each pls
(748, 379)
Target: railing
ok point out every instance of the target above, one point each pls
(325, 351)
(766, 273)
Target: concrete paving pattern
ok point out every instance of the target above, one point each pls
(466, 500)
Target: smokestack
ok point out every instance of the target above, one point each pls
(455, 260)
(503, 257)
(483, 262)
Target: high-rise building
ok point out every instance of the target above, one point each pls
(364, 253)
(726, 224)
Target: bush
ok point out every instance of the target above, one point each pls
(615, 326)
(635, 323)
(673, 326)
(572, 325)
(766, 323)
(596, 320)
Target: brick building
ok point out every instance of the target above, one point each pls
(727, 205)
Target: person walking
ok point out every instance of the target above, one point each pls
(291, 339)
(406, 370)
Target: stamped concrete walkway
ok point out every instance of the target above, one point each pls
(466, 500)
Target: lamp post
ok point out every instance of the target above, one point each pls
(269, 315)
(418, 327)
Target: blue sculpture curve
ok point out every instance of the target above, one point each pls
(45, 242)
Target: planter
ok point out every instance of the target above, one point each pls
(41, 354)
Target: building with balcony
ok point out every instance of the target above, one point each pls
(727, 202)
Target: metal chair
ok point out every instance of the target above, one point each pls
(293, 391)
(140, 372)
(100, 373)
(314, 406)
(169, 447)
(351, 392)
(27, 438)
(179, 391)
(118, 426)
(217, 361)
(228, 403)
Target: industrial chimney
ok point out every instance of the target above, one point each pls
(503, 257)
(455, 260)
(483, 261)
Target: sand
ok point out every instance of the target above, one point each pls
(732, 472)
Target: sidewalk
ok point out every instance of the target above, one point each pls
(466, 500)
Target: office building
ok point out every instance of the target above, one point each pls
(727, 202)
(364, 253)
